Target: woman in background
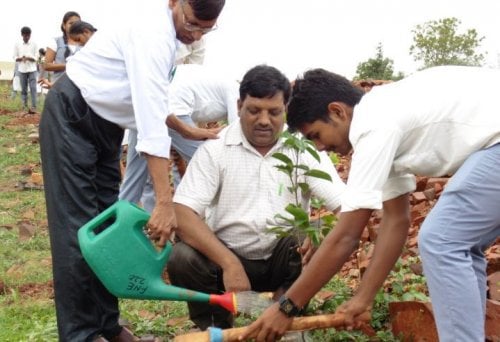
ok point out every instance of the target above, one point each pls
(80, 32)
(61, 47)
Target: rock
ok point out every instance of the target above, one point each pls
(492, 325)
(413, 321)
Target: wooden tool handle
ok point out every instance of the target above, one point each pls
(298, 324)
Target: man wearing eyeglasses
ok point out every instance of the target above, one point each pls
(119, 80)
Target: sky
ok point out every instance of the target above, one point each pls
(291, 35)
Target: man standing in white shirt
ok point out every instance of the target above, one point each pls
(235, 180)
(26, 55)
(118, 80)
(439, 121)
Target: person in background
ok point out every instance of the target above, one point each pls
(119, 79)
(81, 31)
(137, 186)
(26, 56)
(235, 179)
(197, 95)
(438, 121)
(61, 48)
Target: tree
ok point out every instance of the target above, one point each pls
(378, 68)
(438, 42)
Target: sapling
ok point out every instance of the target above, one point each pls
(298, 173)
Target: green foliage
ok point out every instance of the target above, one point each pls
(438, 42)
(34, 322)
(378, 68)
(299, 219)
(405, 285)
(7, 103)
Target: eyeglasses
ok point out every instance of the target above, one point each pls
(192, 27)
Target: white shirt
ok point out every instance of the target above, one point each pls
(205, 95)
(244, 191)
(123, 72)
(426, 124)
(193, 53)
(28, 49)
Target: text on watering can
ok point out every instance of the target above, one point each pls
(136, 284)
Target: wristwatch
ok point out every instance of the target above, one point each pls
(288, 307)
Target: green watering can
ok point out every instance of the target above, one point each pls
(128, 264)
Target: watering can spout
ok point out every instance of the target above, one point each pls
(126, 261)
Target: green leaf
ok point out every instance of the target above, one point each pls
(313, 152)
(298, 213)
(302, 167)
(317, 202)
(278, 231)
(282, 157)
(285, 168)
(318, 174)
(285, 219)
(328, 219)
(304, 187)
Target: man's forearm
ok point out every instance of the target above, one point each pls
(390, 241)
(159, 169)
(330, 256)
(194, 231)
(174, 123)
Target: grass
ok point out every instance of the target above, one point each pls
(26, 300)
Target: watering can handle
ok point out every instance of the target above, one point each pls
(163, 255)
(130, 213)
(90, 226)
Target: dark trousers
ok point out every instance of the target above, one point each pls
(190, 269)
(80, 162)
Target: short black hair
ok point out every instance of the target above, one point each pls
(263, 81)
(80, 26)
(314, 91)
(206, 9)
(25, 30)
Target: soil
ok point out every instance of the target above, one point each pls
(21, 118)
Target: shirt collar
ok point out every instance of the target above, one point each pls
(235, 136)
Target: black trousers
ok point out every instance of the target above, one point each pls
(80, 163)
(190, 269)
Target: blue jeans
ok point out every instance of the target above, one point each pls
(28, 79)
(137, 185)
(452, 240)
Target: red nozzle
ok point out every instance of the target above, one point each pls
(226, 300)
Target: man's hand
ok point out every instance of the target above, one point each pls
(270, 326)
(353, 311)
(162, 223)
(196, 133)
(307, 250)
(190, 132)
(45, 83)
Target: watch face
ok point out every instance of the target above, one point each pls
(288, 307)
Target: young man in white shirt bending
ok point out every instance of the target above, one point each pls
(436, 122)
